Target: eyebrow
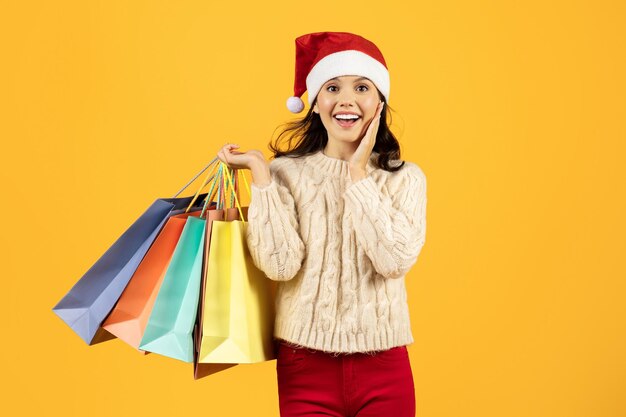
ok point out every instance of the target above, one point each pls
(358, 79)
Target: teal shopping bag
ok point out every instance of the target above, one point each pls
(171, 323)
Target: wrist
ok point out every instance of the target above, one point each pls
(357, 173)
(260, 173)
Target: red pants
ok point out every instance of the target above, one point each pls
(314, 383)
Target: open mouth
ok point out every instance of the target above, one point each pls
(346, 120)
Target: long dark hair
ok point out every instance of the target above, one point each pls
(308, 135)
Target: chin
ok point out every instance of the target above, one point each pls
(350, 138)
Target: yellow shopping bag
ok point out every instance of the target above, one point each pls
(236, 319)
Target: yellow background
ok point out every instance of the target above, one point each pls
(514, 110)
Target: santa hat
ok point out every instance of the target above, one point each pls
(321, 56)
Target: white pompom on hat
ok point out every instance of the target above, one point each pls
(321, 56)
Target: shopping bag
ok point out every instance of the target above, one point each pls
(169, 330)
(129, 317)
(171, 321)
(237, 308)
(205, 369)
(91, 299)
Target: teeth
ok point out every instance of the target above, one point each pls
(347, 116)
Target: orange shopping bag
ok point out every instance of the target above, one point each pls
(130, 315)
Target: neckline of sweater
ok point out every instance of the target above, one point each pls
(330, 166)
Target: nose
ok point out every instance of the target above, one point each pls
(346, 97)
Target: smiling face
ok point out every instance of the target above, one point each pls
(350, 95)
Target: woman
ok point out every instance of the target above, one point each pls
(338, 220)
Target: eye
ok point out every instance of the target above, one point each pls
(364, 86)
(330, 86)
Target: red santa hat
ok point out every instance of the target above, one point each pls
(321, 56)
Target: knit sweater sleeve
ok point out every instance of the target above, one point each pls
(272, 234)
(391, 229)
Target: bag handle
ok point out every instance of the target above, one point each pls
(218, 180)
(204, 183)
(230, 182)
(218, 187)
(196, 176)
(214, 191)
(232, 185)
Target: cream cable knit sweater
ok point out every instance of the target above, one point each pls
(339, 249)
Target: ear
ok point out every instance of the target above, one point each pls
(315, 109)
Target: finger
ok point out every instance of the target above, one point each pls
(379, 109)
(373, 127)
(224, 157)
(368, 132)
(373, 124)
(229, 146)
